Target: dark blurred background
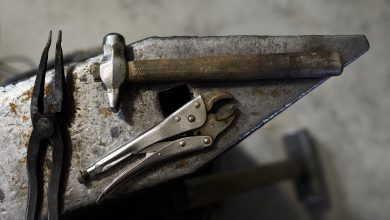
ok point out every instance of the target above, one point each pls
(348, 115)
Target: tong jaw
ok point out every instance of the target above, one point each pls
(37, 99)
(210, 125)
(37, 108)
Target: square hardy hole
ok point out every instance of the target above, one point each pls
(173, 98)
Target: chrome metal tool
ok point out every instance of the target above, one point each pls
(197, 117)
(113, 67)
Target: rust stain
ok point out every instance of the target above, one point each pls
(27, 95)
(105, 112)
(12, 107)
(26, 138)
(23, 160)
(47, 88)
(24, 118)
(180, 164)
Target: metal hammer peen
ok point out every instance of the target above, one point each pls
(113, 68)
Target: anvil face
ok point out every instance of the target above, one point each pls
(96, 131)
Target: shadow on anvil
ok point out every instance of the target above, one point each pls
(161, 202)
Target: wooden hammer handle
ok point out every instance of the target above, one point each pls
(237, 67)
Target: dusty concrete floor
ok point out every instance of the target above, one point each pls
(347, 115)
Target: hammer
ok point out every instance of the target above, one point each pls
(115, 69)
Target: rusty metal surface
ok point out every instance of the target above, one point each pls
(95, 130)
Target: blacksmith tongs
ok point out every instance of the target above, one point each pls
(48, 128)
(190, 129)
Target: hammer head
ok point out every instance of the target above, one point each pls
(113, 67)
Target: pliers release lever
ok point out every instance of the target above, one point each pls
(48, 125)
(197, 119)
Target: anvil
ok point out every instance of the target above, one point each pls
(95, 130)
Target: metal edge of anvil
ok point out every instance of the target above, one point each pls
(253, 114)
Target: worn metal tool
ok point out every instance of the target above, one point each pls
(113, 66)
(193, 117)
(114, 69)
(48, 128)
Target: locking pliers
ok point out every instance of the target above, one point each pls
(197, 119)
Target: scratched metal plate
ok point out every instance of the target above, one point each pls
(95, 131)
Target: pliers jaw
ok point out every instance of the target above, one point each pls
(216, 123)
(210, 99)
